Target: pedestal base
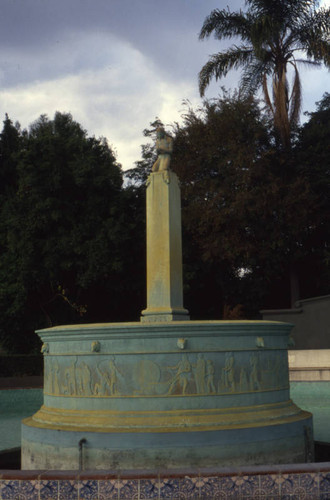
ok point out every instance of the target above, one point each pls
(44, 448)
(163, 315)
(176, 394)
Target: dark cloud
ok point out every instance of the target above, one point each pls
(115, 64)
(164, 31)
(30, 23)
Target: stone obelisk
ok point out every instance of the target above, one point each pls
(164, 242)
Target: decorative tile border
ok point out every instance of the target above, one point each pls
(282, 482)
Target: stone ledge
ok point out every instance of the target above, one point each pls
(247, 470)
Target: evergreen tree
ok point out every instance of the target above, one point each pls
(312, 157)
(245, 211)
(65, 231)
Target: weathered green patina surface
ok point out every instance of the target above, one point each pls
(178, 393)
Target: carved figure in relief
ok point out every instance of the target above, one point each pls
(96, 382)
(56, 377)
(182, 375)
(200, 373)
(229, 372)
(107, 379)
(86, 379)
(164, 147)
(79, 381)
(210, 387)
(254, 381)
(101, 386)
(70, 385)
(243, 380)
(66, 385)
(113, 377)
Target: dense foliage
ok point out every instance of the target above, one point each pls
(313, 158)
(66, 227)
(72, 234)
(251, 213)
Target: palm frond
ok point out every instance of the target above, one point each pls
(262, 33)
(219, 64)
(252, 76)
(306, 62)
(317, 21)
(266, 94)
(226, 24)
(320, 50)
(281, 10)
(313, 36)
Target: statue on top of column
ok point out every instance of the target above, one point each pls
(164, 147)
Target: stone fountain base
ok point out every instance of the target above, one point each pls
(179, 394)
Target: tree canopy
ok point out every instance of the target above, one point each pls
(275, 35)
(64, 223)
(72, 234)
(247, 218)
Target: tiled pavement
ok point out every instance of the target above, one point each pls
(286, 482)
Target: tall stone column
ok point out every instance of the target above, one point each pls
(164, 249)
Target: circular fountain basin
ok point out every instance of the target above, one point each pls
(177, 394)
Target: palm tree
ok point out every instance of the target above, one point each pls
(275, 34)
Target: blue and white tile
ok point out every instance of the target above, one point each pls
(88, 490)
(29, 489)
(269, 483)
(9, 489)
(288, 483)
(68, 489)
(325, 483)
(248, 485)
(208, 487)
(108, 489)
(48, 489)
(149, 489)
(129, 489)
(189, 487)
(169, 487)
(230, 486)
(310, 483)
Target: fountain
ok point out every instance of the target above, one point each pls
(165, 391)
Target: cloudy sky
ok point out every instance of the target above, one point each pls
(114, 64)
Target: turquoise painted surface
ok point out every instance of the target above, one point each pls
(138, 366)
(271, 444)
(314, 397)
(16, 404)
(142, 377)
(209, 379)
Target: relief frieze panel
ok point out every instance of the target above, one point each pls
(189, 374)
